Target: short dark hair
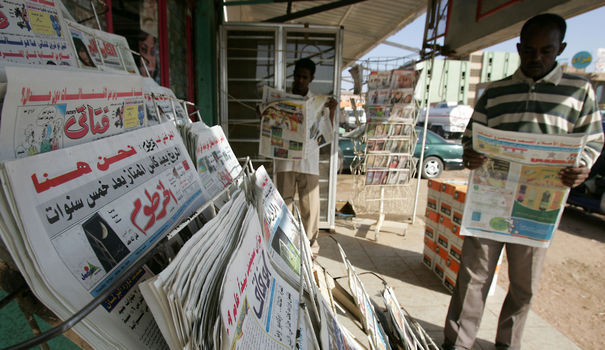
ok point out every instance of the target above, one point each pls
(543, 20)
(305, 63)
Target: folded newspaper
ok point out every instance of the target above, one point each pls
(292, 127)
(517, 196)
(75, 219)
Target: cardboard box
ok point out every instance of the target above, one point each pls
(459, 199)
(445, 208)
(432, 203)
(449, 283)
(455, 253)
(457, 217)
(448, 188)
(430, 231)
(439, 269)
(443, 241)
(428, 257)
(441, 252)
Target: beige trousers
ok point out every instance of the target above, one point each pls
(308, 198)
(479, 259)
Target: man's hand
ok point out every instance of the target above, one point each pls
(331, 105)
(572, 177)
(473, 160)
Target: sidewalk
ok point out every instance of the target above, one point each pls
(397, 258)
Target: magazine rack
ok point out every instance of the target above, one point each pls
(163, 246)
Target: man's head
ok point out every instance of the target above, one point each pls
(304, 72)
(541, 41)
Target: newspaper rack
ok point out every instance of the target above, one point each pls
(163, 245)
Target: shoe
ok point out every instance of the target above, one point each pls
(448, 347)
(500, 346)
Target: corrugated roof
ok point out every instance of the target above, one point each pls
(366, 23)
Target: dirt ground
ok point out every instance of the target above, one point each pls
(571, 296)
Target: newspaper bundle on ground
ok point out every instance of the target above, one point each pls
(75, 219)
(223, 291)
(33, 33)
(46, 109)
(377, 337)
(517, 195)
(410, 333)
(292, 128)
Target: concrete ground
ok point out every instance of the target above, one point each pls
(396, 256)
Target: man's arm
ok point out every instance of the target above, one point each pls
(331, 105)
(588, 123)
(473, 160)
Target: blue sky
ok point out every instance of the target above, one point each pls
(584, 33)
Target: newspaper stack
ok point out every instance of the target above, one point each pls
(226, 286)
(292, 126)
(75, 219)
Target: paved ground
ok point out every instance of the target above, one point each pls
(397, 258)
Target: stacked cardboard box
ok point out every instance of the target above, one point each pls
(442, 240)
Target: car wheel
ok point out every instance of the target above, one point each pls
(431, 167)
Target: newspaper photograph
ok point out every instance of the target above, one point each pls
(33, 33)
(85, 46)
(46, 110)
(516, 195)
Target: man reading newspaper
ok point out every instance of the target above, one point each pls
(304, 174)
(537, 98)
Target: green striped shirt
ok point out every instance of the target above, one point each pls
(559, 103)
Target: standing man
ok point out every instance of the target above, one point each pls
(303, 174)
(537, 98)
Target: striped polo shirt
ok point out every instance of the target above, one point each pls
(559, 103)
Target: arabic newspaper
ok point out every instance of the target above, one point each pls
(162, 105)
(517, 196)
(290, 129)
(97, 211)
(283, 132)
(216, 163)
(281, 234)
(33, 33)
(46, 110)
(95, 49)
(258, 309)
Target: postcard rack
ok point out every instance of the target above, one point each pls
(163, 246)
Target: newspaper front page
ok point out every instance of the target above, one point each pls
(281, 234)
(33, 33)
(98, 208)
(517, 195)
(45, 110)
(293, 126)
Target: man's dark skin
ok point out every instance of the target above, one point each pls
(538, 52)
(300, 86)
